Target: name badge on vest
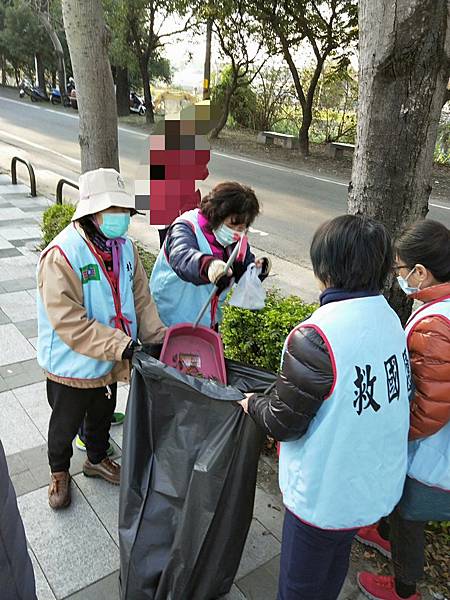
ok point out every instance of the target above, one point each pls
(89, 273)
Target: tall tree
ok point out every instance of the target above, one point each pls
(88, 40)
(327, 27)
(3, 48)
(124, 59)
(122, 91)
(148, 34)
(50, 18)
(40, 72)
(22, 37)
(272, 94)
(234, 28)
(207, 66)
(403, 74)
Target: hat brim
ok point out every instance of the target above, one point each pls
(99, 202)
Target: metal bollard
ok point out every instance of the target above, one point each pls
(29, 166)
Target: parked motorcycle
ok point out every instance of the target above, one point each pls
(55, 98)
(70, 85)
(25, 83)
(73, 99)
(136, 104)
(36, 93)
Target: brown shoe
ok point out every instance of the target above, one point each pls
(59, 490)
(107, 469)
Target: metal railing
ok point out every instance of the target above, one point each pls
(59, 188)
(29, 166)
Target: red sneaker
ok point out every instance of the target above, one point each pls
(369, 536)
(380, 587)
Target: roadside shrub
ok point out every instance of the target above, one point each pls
(243, 101)
(442, 148)
(257, 337)
(148, 259)
(54, 220)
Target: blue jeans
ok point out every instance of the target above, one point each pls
(314, 562)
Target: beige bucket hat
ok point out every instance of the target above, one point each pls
(100, 189)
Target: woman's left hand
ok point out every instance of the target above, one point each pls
(265, 264)
(244, 402)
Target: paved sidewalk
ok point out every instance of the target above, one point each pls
(75, 552)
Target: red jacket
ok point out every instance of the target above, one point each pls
(429, 351)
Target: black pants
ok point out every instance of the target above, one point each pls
(314, 562)
(408, 547)
(69, 407)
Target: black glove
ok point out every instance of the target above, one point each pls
(222, 284)
(132, 347)
(266, 267)
(153, 350)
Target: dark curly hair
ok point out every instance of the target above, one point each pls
(230, 199)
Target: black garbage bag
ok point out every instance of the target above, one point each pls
(188, 479)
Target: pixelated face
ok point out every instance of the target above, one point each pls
(178, 158)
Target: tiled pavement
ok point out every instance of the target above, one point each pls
(75, 552)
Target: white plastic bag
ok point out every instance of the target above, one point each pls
(249, 292)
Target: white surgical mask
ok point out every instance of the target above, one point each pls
(226, 236)
(403, 283)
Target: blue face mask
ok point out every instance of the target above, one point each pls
(226, 236)
(403, 283)
(115, 224)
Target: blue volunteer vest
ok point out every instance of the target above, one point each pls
(180, 301)
(349, 469)
(53, 354)
(429, 458)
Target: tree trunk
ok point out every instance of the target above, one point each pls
(226, 109)
(40, 73)
(45, 20)
(53, 79)
(403, 75)
(3, 68)
(122, 92)
(88, 40)
(303, 134)
(207, 68)
(149, 115)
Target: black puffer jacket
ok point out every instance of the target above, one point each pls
(304, 383)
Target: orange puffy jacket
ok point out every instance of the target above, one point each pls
(429, 351)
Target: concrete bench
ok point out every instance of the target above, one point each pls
(337, 149)
(273, 138)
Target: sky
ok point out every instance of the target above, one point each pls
(187, 57)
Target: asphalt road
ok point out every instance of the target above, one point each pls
(294, 202)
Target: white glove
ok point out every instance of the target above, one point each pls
(216, 270)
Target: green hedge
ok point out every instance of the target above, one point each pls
(257, 337)
(148, 258)
(54, 220)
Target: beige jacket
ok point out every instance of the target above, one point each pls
(62, 295)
